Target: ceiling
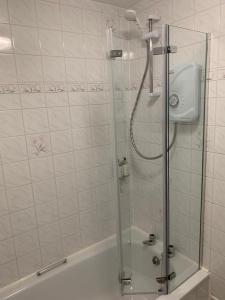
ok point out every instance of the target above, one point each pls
(120, 3)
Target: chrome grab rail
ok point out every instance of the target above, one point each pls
(51, 267)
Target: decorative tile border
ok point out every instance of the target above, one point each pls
(53, 88)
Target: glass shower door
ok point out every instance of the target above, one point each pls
(163, 196)
(140, 192)
(186, 109)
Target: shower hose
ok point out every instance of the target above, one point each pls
(134, 112)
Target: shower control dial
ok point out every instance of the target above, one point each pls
(173, 100)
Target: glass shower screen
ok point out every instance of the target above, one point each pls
(186, 112)
(159, 191)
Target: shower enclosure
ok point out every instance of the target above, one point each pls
(159, 131)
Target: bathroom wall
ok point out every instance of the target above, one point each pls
(199, 293)
(55, 131)
(207, 16)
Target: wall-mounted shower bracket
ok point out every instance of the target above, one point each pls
(164, 50)
(164, 279)
(154, 35)
(154, 18)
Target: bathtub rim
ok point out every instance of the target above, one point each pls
(72, 260)
(84, 254)
(186, 287)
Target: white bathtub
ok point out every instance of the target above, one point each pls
(91, 274)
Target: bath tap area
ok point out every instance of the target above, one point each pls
(112, 150)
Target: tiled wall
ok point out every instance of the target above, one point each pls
(55, 137)
(207, 16)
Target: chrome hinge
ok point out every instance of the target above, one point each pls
(124, 279)
(115, 53)
(164, 279)
(164, 50)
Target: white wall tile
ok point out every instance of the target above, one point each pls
(218, 213)
(218, 264)
(82, 138)
(25, 40)
(52, 252)
(219, 167)
(72, 19)
(84, 179)
(202, 5)
(11, 123)
(67, 206)
(218, 192)
(29, 68)
(49, 233)
(70, 225)
(51, 42)
(48, 15)
(96, 70)
(72, 65)
(23, 221)
(61, 141)
(54, 68)
(8, 273)
(38, 145)
(65, 185)
(6, 251)
(182, 8)
(80, 116)
(33, 100)
(35, 120)
(4, 16)
(44, 191)
(203, 25)
(22, 12)
(56, 99)
(101, 135)
(74, 45)
(6, 230)
(47, 213)
(64, 163)
(3, 203)
(83, 159)
(7, 69)
(71, 243)
(93, 23)
(20, 198)
(41, 168)
(86, 199)
(26, 243)
(99, 114)
(6, 39)
(29, 263)
(9, 101)
(79, 98)
(13, 149)
(17, 174)
(101, 155)
(220, 108)
(58, 118)
(95, 47)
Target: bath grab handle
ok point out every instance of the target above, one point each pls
(51, 267)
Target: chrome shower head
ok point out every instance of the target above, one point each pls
(131, 16)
